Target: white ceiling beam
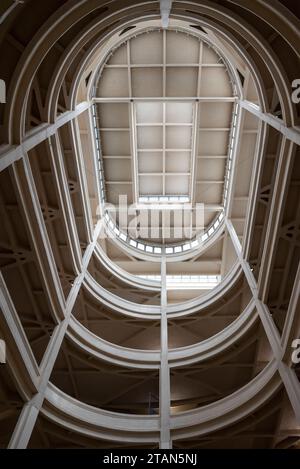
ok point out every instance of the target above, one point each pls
(165, 174)
(259, 159)
(27, 191)
(237, 145)
(149, 99)
(133, 130)
(14, 153)
(215, 181)
(176, 206)
(291, 133)
(194, 160)
(155, 65)
(264, 313)
(56, 156)
(119, 182)
(82, 174)
(165, 10)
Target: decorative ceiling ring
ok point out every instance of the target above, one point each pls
(194, 251)
(208, 349)
(152, 312)
(216, 225)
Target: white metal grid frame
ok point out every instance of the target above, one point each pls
(140, 122)
(217, 226)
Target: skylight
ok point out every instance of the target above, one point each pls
(163, 148)
(164, 199)
(187, 282)
(165, 133)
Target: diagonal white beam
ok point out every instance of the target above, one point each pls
(266, 318)
(14, 325)
(27, 192)
(259, 159)
(15, 152)
(287, 374)
(31, 409)
(291, 133)
(59, 172)
(283, 172)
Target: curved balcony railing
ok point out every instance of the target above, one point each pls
(121, 274)
(215, 345)
(151, 312)
(134, 429)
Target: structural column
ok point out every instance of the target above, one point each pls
(164, 375)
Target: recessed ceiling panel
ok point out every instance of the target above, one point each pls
(165, 103)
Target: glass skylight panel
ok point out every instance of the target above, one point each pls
(164, 199)
(186, 282)
(163, 128)
(133, 243)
